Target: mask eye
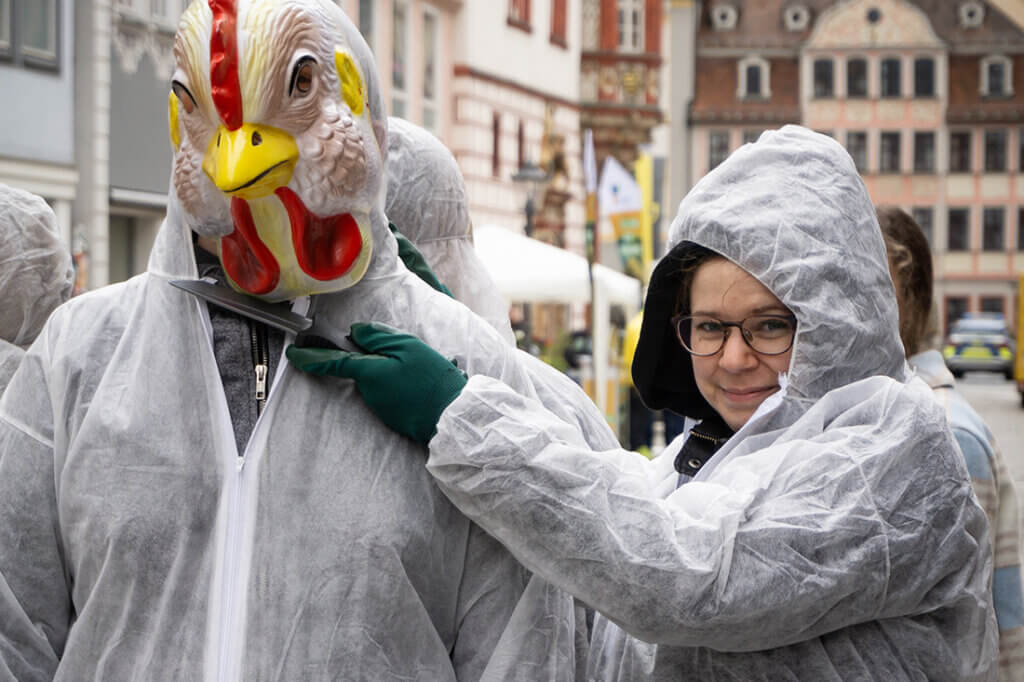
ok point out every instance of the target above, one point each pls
(184, 96)
(302, 77)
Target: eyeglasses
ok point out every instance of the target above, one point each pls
(767, 334)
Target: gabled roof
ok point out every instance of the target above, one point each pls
(997, 30)
(760, 26)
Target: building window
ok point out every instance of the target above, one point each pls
(39, 29)
(960, 152)
(754, 79)
(890, 77)
(496, 144)
(924, 152)
(558, 23)
(995, 151)
(631, 25)
(1020, 149)
(366, 21)
(857, 145)
(996, 76)
(959, 233)
(956, 307)
(993, 304)
(753, 74)
(430, 69)
(992, 230)
(718, 147)
(399, 31)
(519, 14)
(29, 32)
(521, 145)
(751, 136)
(5, 27)
(924, 77)
(823, 78)
(889, 153)
(856, 77)
(923, 216)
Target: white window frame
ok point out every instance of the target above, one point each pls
(741, 80)
(45, 55)
(6, 17)
(1007, 75)
(400, 96)
(431, 105)
(630, 22)
(712, 135)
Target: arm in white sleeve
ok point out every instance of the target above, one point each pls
(791, 543)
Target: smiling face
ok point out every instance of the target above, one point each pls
(736, 379)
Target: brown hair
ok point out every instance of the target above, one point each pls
(694, 257)
(910, 264)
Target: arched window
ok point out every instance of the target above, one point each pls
(753, 79)
(996, 76)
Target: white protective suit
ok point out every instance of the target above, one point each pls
(35, 273)
(422, 172)
(426, 200)
(137, 543)
(834, 537)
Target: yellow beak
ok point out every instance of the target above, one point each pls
(252, 161)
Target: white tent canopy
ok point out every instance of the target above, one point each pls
(529, 271)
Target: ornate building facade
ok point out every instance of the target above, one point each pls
(927, 96)
(620, 75)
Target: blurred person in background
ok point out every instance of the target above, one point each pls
(35, 273)
(910, 262)
(427, 205)
(817, 524)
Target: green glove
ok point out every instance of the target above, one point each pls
(415, 262)
(405, 382)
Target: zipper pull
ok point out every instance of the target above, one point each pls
(261, 383)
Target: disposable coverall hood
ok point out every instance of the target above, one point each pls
(138, 542)
(834, 536)
(781, 212)
(426, 200)
(35, 273)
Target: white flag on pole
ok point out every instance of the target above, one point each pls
(618, 191)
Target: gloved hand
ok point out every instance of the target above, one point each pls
(405, 382)
(415, 262)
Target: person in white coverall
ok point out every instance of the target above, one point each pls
(163, 514)
(817, 524)
(35, 273)
(426, 199)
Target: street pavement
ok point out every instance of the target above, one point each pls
(998, 403)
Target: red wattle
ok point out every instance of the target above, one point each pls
(246, 259)
(324, 247)
(224, 85)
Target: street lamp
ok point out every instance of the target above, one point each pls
(532, 176)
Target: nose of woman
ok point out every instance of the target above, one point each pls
(736, 355)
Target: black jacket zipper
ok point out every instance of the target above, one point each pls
(260, 362)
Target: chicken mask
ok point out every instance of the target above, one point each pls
(277, 127)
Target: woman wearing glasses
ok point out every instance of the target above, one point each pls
(817, 523)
